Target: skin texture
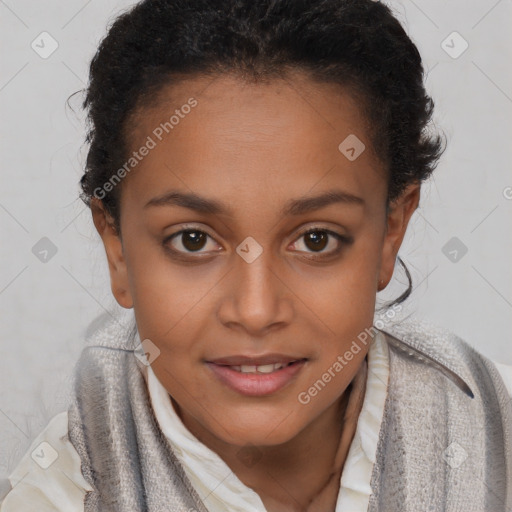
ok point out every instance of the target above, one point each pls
(255, 147)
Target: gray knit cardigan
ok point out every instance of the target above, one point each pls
(445, 443)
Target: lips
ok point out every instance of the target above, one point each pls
(259, 375)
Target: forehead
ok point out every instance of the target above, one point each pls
(230, 103)
(252, 139)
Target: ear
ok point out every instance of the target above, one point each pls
(397, 219)
(119, 283)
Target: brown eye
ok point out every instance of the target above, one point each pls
(316, 240)
(323, 242)
(187, 241)
(193, 240)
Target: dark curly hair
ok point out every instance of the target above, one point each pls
(357, 44)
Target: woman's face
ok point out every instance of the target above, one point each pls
(245, 285)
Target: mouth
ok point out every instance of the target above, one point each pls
(256, 376)
(261, 368)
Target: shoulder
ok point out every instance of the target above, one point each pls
(445, 352)
(48, 478)
(505, 371)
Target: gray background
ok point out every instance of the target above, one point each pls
(46, 305)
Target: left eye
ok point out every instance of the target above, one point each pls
(318, 239)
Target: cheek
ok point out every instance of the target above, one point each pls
(343, 299)
(165, 294)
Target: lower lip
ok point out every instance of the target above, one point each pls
(256, 384)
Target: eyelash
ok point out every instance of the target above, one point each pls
(343, 239)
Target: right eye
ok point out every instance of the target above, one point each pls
(187, 241)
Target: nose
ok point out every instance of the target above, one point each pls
(257, 299)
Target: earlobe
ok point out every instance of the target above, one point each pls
(118, 271)
(398, 216)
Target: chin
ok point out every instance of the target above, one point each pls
(262, 432)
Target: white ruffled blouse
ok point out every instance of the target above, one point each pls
(221, 490)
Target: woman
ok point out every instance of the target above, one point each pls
(252, 170)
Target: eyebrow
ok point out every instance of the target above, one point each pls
(299, 206)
